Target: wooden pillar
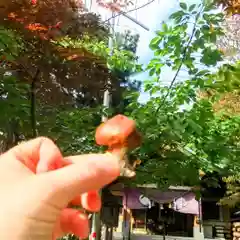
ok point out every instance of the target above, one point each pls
(110, 233)
(198, 232)
(127, 217)
(225, 213)
(226, 219)
(104, 232)
(190, 219)
(197, 229)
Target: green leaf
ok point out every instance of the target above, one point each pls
(178, 14)
(154, 44)
(209, 6)
(158, 68)
(213, 38)
(183, 5)
(202, 73)
(211, 57)
(164, 27)
(152, 72)
(147, 87)
(206, 17)
(192, 7)
(197, 33)
(196, 127)
(154, 90)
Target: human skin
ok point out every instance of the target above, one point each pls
(37, 184)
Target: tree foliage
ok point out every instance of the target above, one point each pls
(229, 43)
(232, 197)
(182, 132)
(115, 5)
(54, 70)
(56, 60)
(231, 7)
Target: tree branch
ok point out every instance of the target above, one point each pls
(183, 58)
(131, 10)
(33, 104)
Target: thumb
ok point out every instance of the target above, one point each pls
(86, 173)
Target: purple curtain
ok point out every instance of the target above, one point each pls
(187, 204)
(183, 201)
(131, 198)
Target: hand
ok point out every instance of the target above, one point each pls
(37, 184)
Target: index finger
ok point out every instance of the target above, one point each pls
(38, 155)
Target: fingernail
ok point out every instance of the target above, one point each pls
(91, 201)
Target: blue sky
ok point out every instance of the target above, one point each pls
(152, 16)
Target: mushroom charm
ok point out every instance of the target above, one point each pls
(120, 135)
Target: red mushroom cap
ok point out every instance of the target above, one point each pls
(118, 131)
